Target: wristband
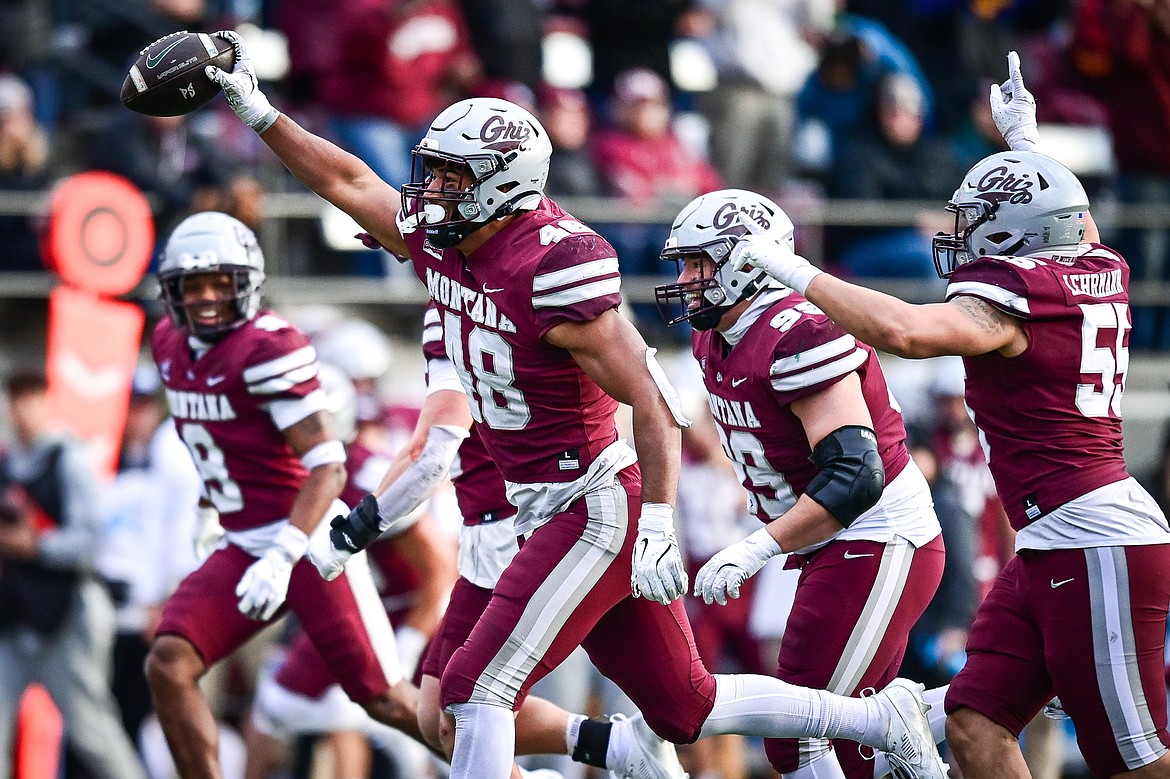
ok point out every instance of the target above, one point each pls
(292, 542)
(801, 277)
(657, 517)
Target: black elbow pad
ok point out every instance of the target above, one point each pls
(851, 476)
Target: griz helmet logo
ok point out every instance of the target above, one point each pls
(726, 223)
(499, 134)
(999, 185)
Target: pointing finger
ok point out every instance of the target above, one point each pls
(1017, 78)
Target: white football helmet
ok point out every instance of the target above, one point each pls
(211, 242)
(357, 347)
(1013, 203)
(712, 225)
(340, 400)
(481, 159)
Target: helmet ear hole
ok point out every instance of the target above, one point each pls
(999, 237)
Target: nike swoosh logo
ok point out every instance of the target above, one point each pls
(851, 556)
(213, 380)
(489, 290)
(88, 382)
(1054, 583)
(737, 382)
(152, 60)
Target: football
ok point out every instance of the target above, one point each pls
(167, 79)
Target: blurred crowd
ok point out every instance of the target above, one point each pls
(650, 102)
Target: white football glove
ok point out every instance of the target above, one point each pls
(241, 88)
(264, 586)
(1014, 109)
(722, 575)
(208, 534)
(776, 259)
(328, 559)
(658, 572)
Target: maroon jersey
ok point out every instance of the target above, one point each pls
(542, 418)
(225, 404)
(789, 352)
(1051, 417)
(479, 486)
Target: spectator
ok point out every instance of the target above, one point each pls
(568, 120)
(506, 35)
(399, 63)
(24, 166)
(166, 156)
(626, 35)
(855, 55)
(642, 160)
(976, 136)
(56, 621)
(762, 56)
(893, 161)
(1123, 48)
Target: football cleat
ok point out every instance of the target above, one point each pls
(909, 746)
(647, 756)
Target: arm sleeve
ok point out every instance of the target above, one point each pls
(74, 544)
(419, 480)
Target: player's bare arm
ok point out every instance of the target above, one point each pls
(840, 405)
(917, 330)
(325, 481)
(339, 177)
(612, 352)
(331, 172)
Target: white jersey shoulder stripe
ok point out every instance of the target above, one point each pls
(431, 317)
(285, 381)
(306, 355)
(432, 334)
(829, 370)
(801, 360)
(579, 294)
(286, 413)
(578, 274)
(981, 289)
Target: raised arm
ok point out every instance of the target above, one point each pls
(330, 171)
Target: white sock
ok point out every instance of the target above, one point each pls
(937, 716)
(573, 732)
(754, 705)
(485, 741)
(823, 766)
(621, 738)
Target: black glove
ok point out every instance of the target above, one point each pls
(354, 532)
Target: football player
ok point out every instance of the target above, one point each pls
(242, 387)
(1039, 311)
(446, 438)
(528, 300)
(804, 413)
